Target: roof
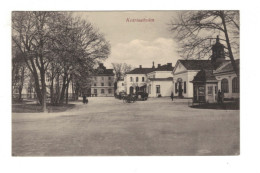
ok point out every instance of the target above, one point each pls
(197, 64)
(165, 67)
(161, 79)
(205, 76)
(141, 71)
(227, 67)
(103, 72)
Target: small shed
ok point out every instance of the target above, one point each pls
(205, 87)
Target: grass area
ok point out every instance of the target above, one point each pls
(223, 106)
(34, 108)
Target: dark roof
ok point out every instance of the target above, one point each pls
(205, 76)
(103, 72)
(141, 71)
(197, 64)
(165, 67)
(228, 67)
(161, 79)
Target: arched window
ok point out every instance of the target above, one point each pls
(235, 85)
(224, 85)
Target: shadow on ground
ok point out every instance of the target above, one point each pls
(35, 108)
(222, 106)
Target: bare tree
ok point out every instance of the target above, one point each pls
(121, 69)
(196, 30)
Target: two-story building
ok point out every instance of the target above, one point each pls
(160, 81)
(136, 79)
(102, 84)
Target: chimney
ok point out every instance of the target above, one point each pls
(169, 64)
(140, 66)
(101, 64)
(159, 65)
(153, 65)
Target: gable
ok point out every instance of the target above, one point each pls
(179, 68)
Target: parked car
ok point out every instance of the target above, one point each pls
(141, 96)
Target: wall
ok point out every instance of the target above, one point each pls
(166, 88)
(229, 77)
(120, 87)
(98, 80)
(128, 83)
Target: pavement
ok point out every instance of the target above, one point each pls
(108, 127)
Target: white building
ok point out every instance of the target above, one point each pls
(136, 80)
(160, 81)
(228, 81)
(120, 86)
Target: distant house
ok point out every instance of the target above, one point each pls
(136, 79)
(120, 86)
(160, 81)
(102, 84)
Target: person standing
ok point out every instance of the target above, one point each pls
(172, 96)
(219, 96)
(84, 99)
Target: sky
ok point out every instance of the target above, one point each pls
(136, 43)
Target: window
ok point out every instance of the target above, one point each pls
(131, 79)
(158, 89)
(109, 91)
(224, 85)
(235, 85)
(176, 90)
(95, 84)
(216, 89)
(109, 78)
(136, 79)
(122, 84)
(109, 83)
(142, 79)
(102, 84)
(95, 91)
(210, 90)
(102, 91)
(184, 90)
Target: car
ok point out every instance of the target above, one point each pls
(141, 96)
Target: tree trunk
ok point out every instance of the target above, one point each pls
(62, 94)
(44, 96)
(222, 15)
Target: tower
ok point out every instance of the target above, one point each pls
(217, 52)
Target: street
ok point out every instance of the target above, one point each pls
(106, 126)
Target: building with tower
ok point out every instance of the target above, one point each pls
(201, 79)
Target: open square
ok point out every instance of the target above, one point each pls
(107, 126)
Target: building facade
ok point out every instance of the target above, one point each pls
(120, 86)
(160, 81)
(102, 84)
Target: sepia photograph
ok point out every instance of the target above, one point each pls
(125, 83)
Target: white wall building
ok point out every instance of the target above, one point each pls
(228, 81)
(120, 86)
(160, 81)
(136, 80)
